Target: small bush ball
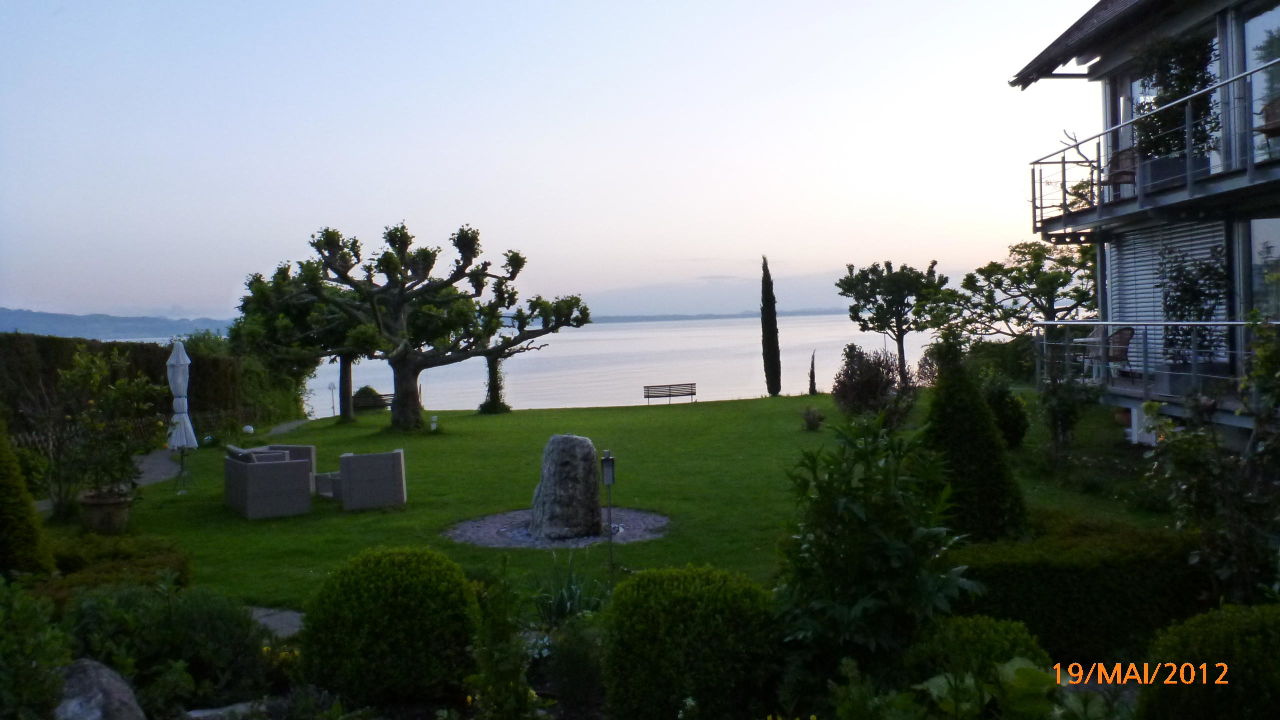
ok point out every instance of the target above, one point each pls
(391, 626)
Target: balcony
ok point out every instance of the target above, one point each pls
(1213, 150)
(1133, 362)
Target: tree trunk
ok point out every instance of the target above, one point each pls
(493, 402)
(346, 412)
(406, 406)
(903, 374)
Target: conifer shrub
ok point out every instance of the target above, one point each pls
(178, 648)
(973, 644)
(33, 651)
(391, 626)
(367, 397)
(1234, 644)
(696, 641)
(1088, 590)
(1009, 410)
(22, 543)
(866, 382)
(987, 503)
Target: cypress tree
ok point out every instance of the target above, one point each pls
(813, 381)
(769, 331)
(987, 502)
(22, 544)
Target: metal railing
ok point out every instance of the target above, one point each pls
(1226, 127)
(1146, 359)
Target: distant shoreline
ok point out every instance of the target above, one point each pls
(114, 327)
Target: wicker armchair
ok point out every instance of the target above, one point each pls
(265, 484)
(372, 480)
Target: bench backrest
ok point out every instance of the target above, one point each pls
(677, 390)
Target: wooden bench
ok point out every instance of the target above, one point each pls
(670, 391)
(383, 401)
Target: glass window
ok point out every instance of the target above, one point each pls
(1261, 46)
(1264, 236)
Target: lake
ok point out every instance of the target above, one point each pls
(609, 363)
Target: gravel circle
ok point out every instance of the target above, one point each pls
(511, 529)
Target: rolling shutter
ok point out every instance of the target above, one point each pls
(1133, 272)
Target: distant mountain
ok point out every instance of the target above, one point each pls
(102, 327)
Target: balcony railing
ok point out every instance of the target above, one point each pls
(1228, 127)
(1148, 360)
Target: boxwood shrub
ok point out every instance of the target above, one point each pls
(1089, 591)
(972, 644)
(391, 626)
(692, 641)
(1245, 639)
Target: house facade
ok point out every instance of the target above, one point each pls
(1180, 194)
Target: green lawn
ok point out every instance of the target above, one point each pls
(717, 469)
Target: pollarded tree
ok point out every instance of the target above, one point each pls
(400, 312)
(893, 302)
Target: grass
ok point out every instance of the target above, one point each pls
(717, 469)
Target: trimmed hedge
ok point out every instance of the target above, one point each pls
(972, 644)
(689, 635)
(1245, 639)
(22, 544)
(390, 626)
(1089, 591)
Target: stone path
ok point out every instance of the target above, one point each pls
(284, 623)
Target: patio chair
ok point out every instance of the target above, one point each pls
(1118, 350)
(266, 483)
(294, 452)
(371, 480)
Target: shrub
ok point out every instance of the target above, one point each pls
(33, 651)
(391, 625)
(866, 382)
(973, 644)
(866, 565)
(689, 638)
(565, 594)
(987, 502)
(178, 648)
(1014, 359)
(1009, 410)
(91, 561)
(812, 419)
(500, 685)
(367, 397)
(1244, 639)
(1088, 590)
(22, 544)
(574, 667)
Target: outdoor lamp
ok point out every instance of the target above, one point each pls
(606, 467)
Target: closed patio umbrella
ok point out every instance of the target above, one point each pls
(181, 435)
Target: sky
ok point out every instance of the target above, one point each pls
(155, 154)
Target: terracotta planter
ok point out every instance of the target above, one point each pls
(105, 514)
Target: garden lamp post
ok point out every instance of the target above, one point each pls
(333, 404)
(607, 475)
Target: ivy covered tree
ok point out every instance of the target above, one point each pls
(893, 302)
(394, 307)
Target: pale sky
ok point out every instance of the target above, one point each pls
(154, 154)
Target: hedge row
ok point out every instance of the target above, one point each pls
(224, 389)
(1089, 591)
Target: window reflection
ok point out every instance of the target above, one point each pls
(1265, 238)
(1262, 45)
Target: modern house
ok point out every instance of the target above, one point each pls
(1180, 194)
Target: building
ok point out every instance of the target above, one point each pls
(1180, 194)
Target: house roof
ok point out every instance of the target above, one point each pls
(1085, 34)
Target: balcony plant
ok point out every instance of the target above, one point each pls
(1192, 291)
(1170, 69)
(111, 417)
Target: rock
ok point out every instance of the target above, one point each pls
(230, 712)
(566, 503)
(93, 691)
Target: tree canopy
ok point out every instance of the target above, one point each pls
(1037, 282)
(893, 302)
(393, 306)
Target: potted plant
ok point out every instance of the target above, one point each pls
(1191, 291)
(112, 418)
(1171, 69)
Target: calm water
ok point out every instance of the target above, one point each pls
(609, 363)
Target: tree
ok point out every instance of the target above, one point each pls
(1038, 282)
(769, 331)
(813, 381)
(893, 302)
(397, 311)
(494, 404)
